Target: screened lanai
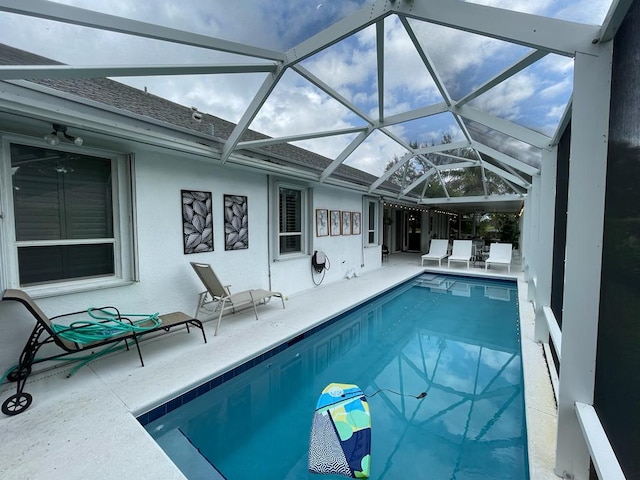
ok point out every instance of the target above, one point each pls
(417, 94)
(459, 105)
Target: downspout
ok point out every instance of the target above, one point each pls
(269, 255)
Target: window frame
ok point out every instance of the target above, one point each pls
(123, 226)
(366, 221)
(305, 222)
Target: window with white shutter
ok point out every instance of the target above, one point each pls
(66, 217)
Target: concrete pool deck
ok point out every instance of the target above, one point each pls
(85, 427)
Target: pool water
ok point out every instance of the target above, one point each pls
(455, 338)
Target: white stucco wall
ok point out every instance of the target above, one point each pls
(166, 281)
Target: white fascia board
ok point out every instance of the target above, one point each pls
(38, 102)
(30, 72)
(366, 16)
(474, 199)
(506, 159)
(79, 16)
(511, 129)
(541, 33)
(296, 138)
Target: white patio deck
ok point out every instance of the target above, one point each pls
(85, 427)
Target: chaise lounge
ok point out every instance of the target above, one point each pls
(462, 252)
(437, 251)
(104, 326)
(222, 296)
(499, 254)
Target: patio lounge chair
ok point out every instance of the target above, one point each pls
(221, 294)
(437, 251)
(462, 252)
(499, 254)
(105, 326)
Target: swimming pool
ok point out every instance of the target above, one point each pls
(453, 337)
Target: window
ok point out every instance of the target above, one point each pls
(371, 207)
(292, 220)
(67, 207)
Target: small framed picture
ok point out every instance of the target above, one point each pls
(346, 223)
(322, 222)
(335, 222)
(356, 218)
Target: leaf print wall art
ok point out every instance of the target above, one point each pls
(236, 223)
(197, 221)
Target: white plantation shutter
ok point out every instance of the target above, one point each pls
(63, 209)
(290, 220)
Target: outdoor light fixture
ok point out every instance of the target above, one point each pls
(54, 139)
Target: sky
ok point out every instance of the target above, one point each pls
(535, 98)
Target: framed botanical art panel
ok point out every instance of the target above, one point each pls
(356, 220)
(334, 224)
(322, 222)
(236, 222)
(197, 221)
(346, 223)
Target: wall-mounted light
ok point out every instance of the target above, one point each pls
(53, 138)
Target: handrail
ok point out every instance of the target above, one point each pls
(554, 329)
(602, 455)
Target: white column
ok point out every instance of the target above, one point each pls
(585, 219)
(544, 258)
(534, 221)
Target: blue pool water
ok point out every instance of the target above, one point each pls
(455, 338)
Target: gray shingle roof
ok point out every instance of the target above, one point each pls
(124, 97)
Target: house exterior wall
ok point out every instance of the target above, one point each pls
(166, 281)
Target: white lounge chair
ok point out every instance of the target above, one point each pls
(437, 251)
(462, 252)
(222, 295)
(499, 254)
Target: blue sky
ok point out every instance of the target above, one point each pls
(535, 98)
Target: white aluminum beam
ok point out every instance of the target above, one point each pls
(78, 16)
(422, 178)
(452, 166)
(366, 16)
(562, 125)
(506, 127)
(583, 254)
(427, 61)
(297, 138)
(471, 199)
(404, 159)
(506, 175)
(332, 93)
(252, 110)
(30, 72)
(355, 143)
(616, 14)
(541, 33)
(509, 72)
(443, 147)
(415, 114)
(506, 159)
